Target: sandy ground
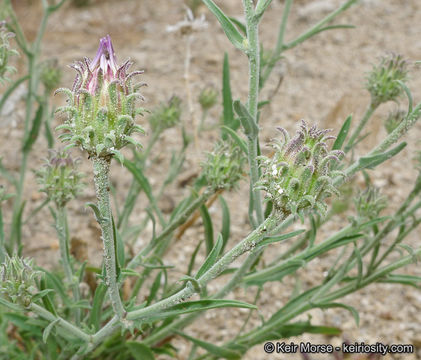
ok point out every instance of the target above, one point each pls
(323, 83)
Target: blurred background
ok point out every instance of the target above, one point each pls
(321, 81)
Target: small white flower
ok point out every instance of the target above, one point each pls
(189, 25)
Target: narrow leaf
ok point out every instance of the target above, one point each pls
(140, 351)
(211, 259)
(369, 162)
(47, 330)
(33, 134)
(278, 238)
(240, 142)
(218, 351)
(343, 133)
(229, 28)
(225, 231)
(208, 226)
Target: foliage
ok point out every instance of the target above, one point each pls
(132, 307)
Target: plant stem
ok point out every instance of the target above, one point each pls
(63, 235)
(65, 325)
(247, 244)
(253, 53)
(101, 167)
(370, 110)
(279, 43)
(32, 55)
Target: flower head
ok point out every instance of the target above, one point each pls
(166, 115)
(102, 104)
(299, 174)
(59, 178)
(50, 74)
(369, 203)
(383, 79)
(17, 280)
(224, 166)
(208, 98)
(5, 52)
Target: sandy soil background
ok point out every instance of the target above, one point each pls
(323, 83)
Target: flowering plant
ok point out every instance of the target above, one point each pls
(139, 299)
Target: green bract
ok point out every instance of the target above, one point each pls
(298, 176)
(223, 167)
(59, 178)
(102, 104)
(383, 80)
(17, 280)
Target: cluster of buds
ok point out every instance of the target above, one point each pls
(224, 166)
(394, 119)
(5, 51)
(50, 75)
(59, 178)
(382, 80)
(299, 175)
(102, 104)
(166, 115)
(369, 203)
(208, 98)
(17, 280)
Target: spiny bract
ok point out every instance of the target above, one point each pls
(299, 176)
(102, 104)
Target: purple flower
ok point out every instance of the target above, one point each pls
(102, 104)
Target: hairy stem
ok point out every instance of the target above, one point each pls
(102, 185)
(253, 53)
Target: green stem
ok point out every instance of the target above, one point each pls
(33, 56)
(63, 235)
(63, 324)
(101, 167)
(319, 26)
(253, 53)
(370, 110)
(247, 244)
(279, 43)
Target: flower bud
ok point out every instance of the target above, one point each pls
(59, 178)
(382, 80)
(369, 203)
(102, 104)
(224, 166)
(166, 115)
(299, 174)
(17, 280)
(394, 119)
(5, 52)
(208, 98)
(50, 74)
